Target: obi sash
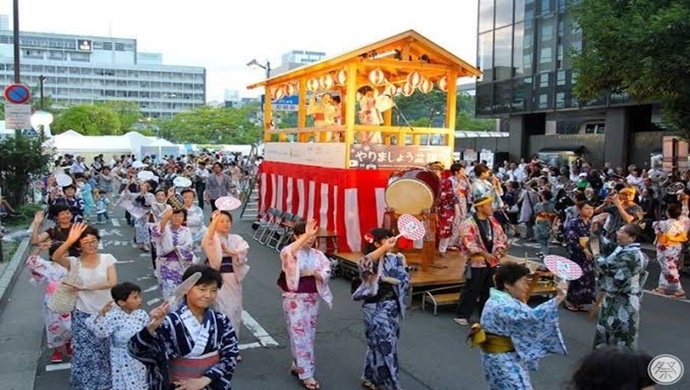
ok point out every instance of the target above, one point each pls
(672, 239)
(192, 367)
(307, 284)
(226, 266)
(319, 116)
(489, 342)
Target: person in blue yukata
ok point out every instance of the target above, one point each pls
(513, 336)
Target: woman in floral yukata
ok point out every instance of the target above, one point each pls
(304, 278)
(193, 347)
(622, 274)
(583, 290)
(446, 208)
(512, 335)
(174, 246)
(385, 281)
(227, 253)
(671, 234)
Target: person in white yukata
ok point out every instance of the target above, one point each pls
(227, 253)
(119, 322)
(513, 336)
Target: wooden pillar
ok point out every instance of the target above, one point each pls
(451, 108)
(302, 108)
(387, 121)
(350, 102)
(268, 114)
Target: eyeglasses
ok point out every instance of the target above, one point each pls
(90, 243)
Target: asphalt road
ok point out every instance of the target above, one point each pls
(433, 354)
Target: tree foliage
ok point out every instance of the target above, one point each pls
(423, 110)
(88, 119)
(222, 125)
(639, 47)
(128, 112)
(21, 157)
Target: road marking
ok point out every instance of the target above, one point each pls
(143, 278)
(58, 367)
(242, 347)
(125, 261)
(115, 222)
(152, 288)
(153, 301)
(145, 255)
(666, 296)
(258, 331)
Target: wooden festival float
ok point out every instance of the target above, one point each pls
(346, 165)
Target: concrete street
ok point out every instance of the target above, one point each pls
(433, 353)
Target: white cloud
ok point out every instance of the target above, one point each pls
(224, 35)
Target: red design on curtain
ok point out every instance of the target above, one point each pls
(328, 185)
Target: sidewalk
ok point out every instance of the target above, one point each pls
(21, 323)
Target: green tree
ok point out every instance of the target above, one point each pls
(128, 112)
(21, 157)
(211, 125)
(421, 108)
(88, 119)
(638, 47)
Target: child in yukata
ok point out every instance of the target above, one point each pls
(120, 322)
(102, 207)
(545, 212)
(58, 325)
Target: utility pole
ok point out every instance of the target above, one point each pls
(41, 79)
(17, 75)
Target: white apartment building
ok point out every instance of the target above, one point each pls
(89, 69)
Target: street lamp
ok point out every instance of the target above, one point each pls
(41, 79)
(267, 67)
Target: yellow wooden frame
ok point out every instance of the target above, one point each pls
(397, 56)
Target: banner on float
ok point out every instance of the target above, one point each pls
(364, 156)
(326, 155)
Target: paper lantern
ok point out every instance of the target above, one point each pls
(278, 93)
(326, 82)
(341, 77)
(312, 85)
(426, 86)
(290, 89)
(377, 77)
(390, 90)
(414, 79)
(407, 90)
(443, 84)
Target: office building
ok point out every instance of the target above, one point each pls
(296, 58)
(523, 48)
(88, 69)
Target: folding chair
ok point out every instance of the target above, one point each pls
(273, 224)
(286, 237)
(263, 224)
(279, 232)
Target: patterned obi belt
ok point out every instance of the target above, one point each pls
(190, 368)
(319, 116)
(489, 342)
(672, 239)
(546, 217)
(226, 265)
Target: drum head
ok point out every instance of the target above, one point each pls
(409, 196)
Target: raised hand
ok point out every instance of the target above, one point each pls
(312, 228)
(76, 231)
(38, 217)
(106, 308)
(389, 243)
(157, 316)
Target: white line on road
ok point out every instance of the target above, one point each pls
(152, 288)
(125, 261)
(258, 331)
(145, 255)
(242, 347)
(115, 222)
(58, 367)
(666, 296)
(153, 301)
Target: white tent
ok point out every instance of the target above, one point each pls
(90, 146)
(160, 147)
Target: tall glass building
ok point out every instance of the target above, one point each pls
(88, 69)
(523, 50)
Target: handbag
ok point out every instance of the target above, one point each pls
(64, 299)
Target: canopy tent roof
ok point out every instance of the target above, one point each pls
(401, 54)
(71, 141)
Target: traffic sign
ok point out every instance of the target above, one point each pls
(17, 93)
(17, 116)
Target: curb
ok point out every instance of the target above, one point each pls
(13, 269)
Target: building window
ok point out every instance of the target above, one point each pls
(560, 78)
(119, 46)
(503, 97)
(504, 13)
(518, 50)
(546, 7)
(560, 100)
(56, 55)
(486, 15)
(519, 11)
(484, 98)
(543, 101)
(502, 53)
(545, 59)
(486, 43)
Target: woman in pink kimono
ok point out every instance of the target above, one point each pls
(304, 279)
(174, 248)
(228, 254)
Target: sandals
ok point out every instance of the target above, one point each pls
(368, 385)
(461, 321)
(314, 385)
(678, 294)
(574, 308)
